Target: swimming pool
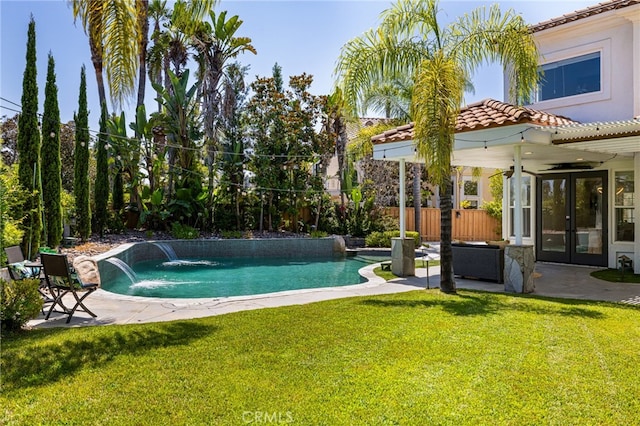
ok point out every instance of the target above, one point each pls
(224, 276)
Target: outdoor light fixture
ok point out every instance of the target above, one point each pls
(425, 260)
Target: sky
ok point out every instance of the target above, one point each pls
(302, 36)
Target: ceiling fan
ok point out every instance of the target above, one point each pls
(509, 173)
(572, 166)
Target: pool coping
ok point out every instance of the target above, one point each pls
(112, 308)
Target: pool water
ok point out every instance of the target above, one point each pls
(225, 277)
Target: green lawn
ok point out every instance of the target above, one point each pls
(415, 358)
(388, 275)
(615, 275)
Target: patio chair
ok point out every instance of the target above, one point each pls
(62, 280)
(19, 269)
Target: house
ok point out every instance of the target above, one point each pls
(572, 155)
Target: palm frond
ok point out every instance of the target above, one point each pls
(487, 35)
(119, 52)
(436, 104)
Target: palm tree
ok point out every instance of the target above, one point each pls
(442, 59)
(336, 126)
(215, 44)
(111, 25)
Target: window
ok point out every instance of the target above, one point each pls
(624, 206)
(569, 77)
(470, 194)
(525, 194)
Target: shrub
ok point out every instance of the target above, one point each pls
(383, 239)
(493, 208)
(318, 234)
(20, 301)
(231, 234)
(183, 232)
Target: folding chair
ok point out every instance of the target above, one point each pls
(62, 280)
(20, 269)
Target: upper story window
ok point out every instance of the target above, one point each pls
(569, 77)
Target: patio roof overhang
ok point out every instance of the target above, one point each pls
(542, 147)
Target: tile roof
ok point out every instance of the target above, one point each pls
(485, 114)
(583, 13)
(354, 128)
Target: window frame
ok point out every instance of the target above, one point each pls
(603, 47)
(617, 207)
(527, 207)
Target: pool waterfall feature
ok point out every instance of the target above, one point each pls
(118, 262)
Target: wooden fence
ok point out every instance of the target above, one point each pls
(468, 225)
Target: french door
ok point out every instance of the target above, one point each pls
(572, 218)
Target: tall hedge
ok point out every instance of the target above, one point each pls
(51, 175)
(81, 163)
(29, 149)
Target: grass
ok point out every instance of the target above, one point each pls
(615, 275)
(388, 275)
(421, 357)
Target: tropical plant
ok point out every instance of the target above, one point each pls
(441, 60)
(81, 163)
(154, 215)
(215, 44)
(52, 184)
(181, 121)
(101, 191)
(170, 46)
(29, 149)
(20, 301)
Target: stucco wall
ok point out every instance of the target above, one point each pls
(613, 35)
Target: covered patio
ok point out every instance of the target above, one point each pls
(531, 146)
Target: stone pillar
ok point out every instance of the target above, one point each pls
(518, 268)
(403, 256)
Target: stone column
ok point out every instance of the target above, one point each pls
(519, 264)
(403, 256)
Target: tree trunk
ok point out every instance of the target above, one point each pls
(417, 197)
(270, 218)
(318, 212)
(447, 283)
(142, 8)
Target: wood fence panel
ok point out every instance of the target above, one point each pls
(468, 225)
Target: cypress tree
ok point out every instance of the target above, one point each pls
(81, 163)
(101, 192)
(52, 177)
(29, 149)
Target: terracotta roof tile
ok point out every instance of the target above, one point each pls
(583, 13)
(353, 128)
(485, 114)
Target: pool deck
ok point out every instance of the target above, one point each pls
(553, 280)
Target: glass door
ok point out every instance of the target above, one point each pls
(571, 219)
